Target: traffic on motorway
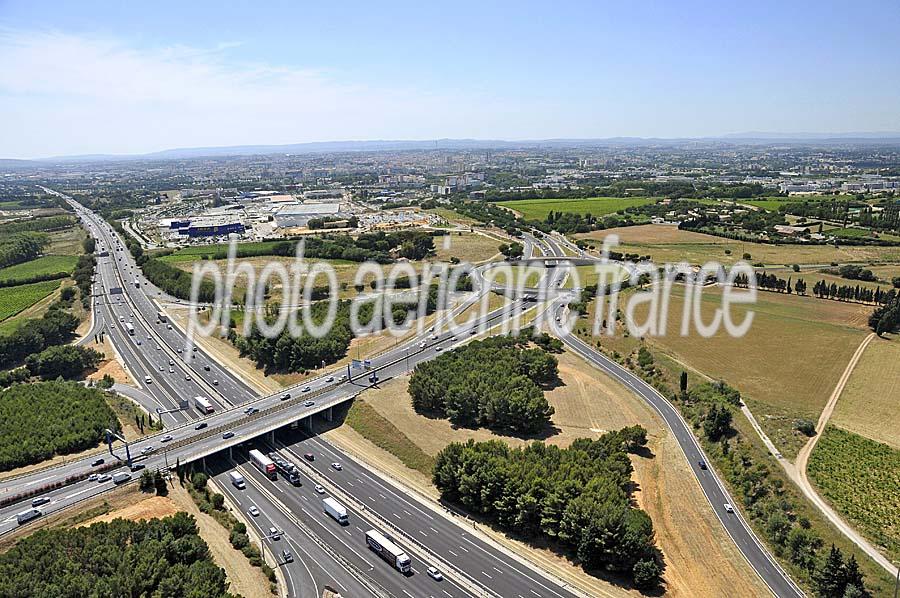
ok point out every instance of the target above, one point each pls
(222, 411)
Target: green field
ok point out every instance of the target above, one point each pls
(15, 299)
(537, 209)
(861, 479)
(192, 254)
(48, 264)
(773, 203)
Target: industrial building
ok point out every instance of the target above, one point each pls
(299, 215)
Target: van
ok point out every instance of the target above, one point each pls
(237, 480)
(26, 516)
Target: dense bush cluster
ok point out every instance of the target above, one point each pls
(21, 247)
(84, 271)
(578, 498)
(56, 327)
(176, 282)
(493, 383)
(49, 223)
(289, 353)
(159, 557)
(40, 420)
(62, 361)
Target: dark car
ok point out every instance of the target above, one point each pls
(200, 426)
(137, 466)
(702, 464)
(97, 462)
(309, 456)
(285, 396)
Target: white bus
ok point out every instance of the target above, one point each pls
(130, 328)
(387, 550)
(161, 317)
(264, 464)
(203, 405)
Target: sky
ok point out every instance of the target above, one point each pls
(133, 77)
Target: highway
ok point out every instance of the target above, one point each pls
(472, 565)
(735, 525)
(159, 346)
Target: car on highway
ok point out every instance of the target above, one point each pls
(422, 345)
(97, 462)
(200, 426)
(701, 464)
(274, 534)
(306, 389)
(137, 466)
(171, 362)
(337, 466)
(138, 341)
(166, 438)
(286, 556)
(162, 369)
(309, 456)
(40, 500)
(438, 348)
(251, 410)
(227, 435)
(171, 370)
(148, 380)
(285, 396)
(147, 450)
(253, 511)
(206, 368)
(434, 574)
(215, 382)
(309, 403)
(103, 478)
(93, 477)
(187, 377)
(728, 508)
(158, 348)
(319, 489)
(329, 379)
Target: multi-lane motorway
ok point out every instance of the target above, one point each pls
(325, 554)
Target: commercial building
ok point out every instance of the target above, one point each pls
(299, 215)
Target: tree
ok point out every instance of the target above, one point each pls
(146, 481)
(717, 423)
(512, 250)
(646, 574)
(198, 480)
(218, 501)
(683, 383)
(830, 579)
(159, 482)
(856, 587)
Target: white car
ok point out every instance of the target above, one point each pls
(274, 534)
(103, 478)
(319, 489)
(147, 450)
(728, 508)
(309, 403)
(337, 466)
(434, 574)
(253, 511)
(166, 438)
(329, 379)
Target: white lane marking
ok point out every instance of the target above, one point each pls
(486, 575)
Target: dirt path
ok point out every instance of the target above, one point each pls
(800, 476)
(797, 471)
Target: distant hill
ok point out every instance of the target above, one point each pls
(752, 138)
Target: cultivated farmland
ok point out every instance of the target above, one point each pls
(537, 209)
(48, 264)
(868, 404)
(861, 479)
(15, 299)
(666, 244)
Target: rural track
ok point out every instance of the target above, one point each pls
(800, 477)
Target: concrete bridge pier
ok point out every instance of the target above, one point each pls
(328, 415)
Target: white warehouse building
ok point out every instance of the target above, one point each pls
(300, 214)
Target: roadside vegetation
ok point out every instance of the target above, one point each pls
(363, 418)
(15, 299)
(578, 499)
(861, 480)
(38, 421)
(159, 557)
(495, 383)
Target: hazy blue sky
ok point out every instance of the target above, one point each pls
(128, 77)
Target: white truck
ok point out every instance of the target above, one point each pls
(387, 550)
(336, 510)
(237, 480)
(26, 516)
(121, 477)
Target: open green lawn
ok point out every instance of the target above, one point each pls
(48, 264)
(861, 480)
(773, 203)
(537, 209)
(15, 299)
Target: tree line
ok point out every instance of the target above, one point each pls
(579, 499)
(38, 421)
(289, 353)
(23, 247)
(156, 557)
(49, 223)
(762, 494)
(493, 383)
(56, 327)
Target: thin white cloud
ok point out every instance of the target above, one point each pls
(64, 93)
